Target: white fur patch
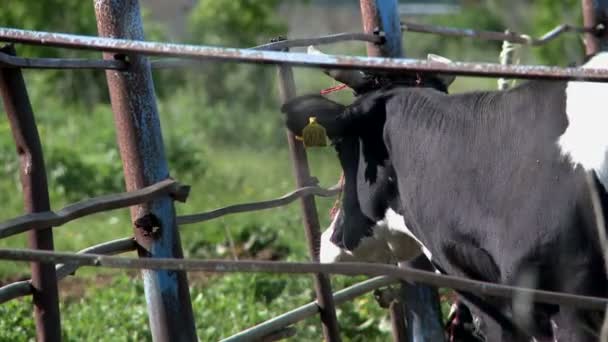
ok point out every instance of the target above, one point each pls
(391, 242)
(585, 140)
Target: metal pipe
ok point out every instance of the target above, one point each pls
(331, 330)
(144, 163)
(260, 205)
(334, 38)
(24, 287)
(127, 46)
(343, 268)
(35, 197)
(512, 37)
(303, 312)
(7, 60)
(40, 220)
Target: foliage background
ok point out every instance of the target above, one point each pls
(223, 135)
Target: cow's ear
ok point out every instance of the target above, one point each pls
(447, 80)
(300, 109)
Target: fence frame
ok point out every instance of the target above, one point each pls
(142, 153)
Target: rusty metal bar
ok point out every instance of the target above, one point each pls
(512, 37)
(262, 205)
(41, 220)
(7, 60)
(127, 46)
(343, 268)
(35, 197)
(330, 39)
(24, 287)
(308, 310)
(331, 330)
(144, 163)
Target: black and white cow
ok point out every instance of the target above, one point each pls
(492, 183)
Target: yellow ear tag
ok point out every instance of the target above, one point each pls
(314, 134)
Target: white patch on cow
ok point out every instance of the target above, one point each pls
(391, 242)
(585, 141)
(396, 223)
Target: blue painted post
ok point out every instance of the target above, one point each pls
(144, 163)
(422, 308)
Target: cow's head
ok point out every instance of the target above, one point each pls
(356, 133)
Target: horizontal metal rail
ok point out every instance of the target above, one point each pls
(497, 36)
(299, 59)
(60, 63)
(262, 205)
(346, 268)
(71, 212)
(309, 310)
(24, 288)
(165, 63)
(330, 39)
(180, 192)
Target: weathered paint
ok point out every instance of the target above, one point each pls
(144, 163)
(299, 59)
(391, 26)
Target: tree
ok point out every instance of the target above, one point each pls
(235, 23)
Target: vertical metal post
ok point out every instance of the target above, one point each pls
(35, 196)
(595, 12)
(421, 301)
(144, 163)
(322, 283)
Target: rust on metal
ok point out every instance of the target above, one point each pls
(331, 330)
(126, 46)
(371, 24)
(40, 220)
(35, 197)
(343, 268)
(143, 157)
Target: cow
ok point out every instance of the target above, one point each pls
(493, 183)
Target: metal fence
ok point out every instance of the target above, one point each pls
(151, 193)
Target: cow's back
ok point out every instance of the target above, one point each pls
(482, 172)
